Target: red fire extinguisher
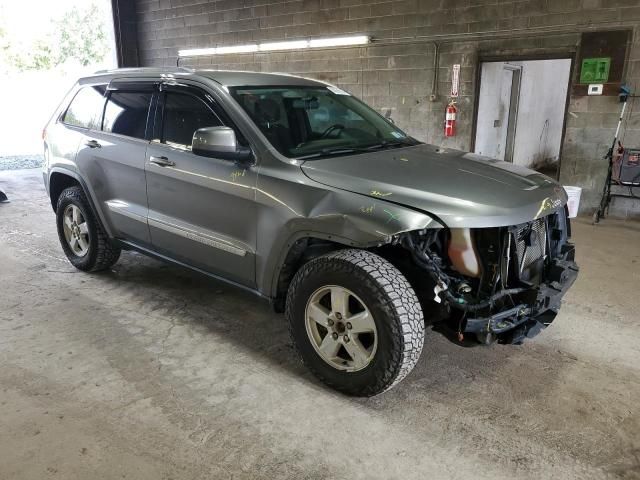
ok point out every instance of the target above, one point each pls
(450, 120)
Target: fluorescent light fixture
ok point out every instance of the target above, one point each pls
(293, 45)
(237, 49)
(196, 52)
(339, 41)
(275, 46)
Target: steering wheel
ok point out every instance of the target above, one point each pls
(333, 128)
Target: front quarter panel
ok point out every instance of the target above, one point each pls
(291, 207)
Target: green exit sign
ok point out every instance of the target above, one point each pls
(595, 70)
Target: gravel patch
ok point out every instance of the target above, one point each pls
(18, 162)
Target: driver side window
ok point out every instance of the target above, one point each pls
(183, 115)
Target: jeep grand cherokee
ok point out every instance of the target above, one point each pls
(299, 192)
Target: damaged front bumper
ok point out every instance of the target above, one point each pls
(536, 308)
(526, 269)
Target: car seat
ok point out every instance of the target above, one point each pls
(267, 115)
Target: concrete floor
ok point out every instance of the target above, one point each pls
(153, 372)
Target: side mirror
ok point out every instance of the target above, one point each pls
(220, 142)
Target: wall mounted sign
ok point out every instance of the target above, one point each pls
(595, 70)
(455, 80)
(601, 61)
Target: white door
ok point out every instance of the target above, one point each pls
(497, 108)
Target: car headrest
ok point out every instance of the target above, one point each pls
(267, 110)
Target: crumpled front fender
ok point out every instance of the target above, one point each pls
(363, 221)
(339, 216)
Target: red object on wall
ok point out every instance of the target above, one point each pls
(450, 120)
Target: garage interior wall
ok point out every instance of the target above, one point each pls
(395, 72)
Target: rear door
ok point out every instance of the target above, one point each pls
(112, 158)
(71, 128)
(202, 210)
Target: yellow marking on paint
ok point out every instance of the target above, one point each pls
(368, 210)
(548, 204)
(237, 174)
(376, 193)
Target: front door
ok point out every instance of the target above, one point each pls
(202, 210)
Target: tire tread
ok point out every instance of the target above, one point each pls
(106, 252)
(397, 298)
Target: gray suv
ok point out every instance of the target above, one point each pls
(297, 191)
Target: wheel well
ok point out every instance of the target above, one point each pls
(308, 248)
(299, 253)
(58, 182)
(419, 280)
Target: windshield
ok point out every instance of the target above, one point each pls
(314, 122)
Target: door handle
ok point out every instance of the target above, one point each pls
(93, 144)
(161, 161)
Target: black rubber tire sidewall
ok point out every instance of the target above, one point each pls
(381, 373)
(75, 196)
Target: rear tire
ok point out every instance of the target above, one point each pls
(330, 290)
(83, 239)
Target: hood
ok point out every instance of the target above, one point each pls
(462, 190)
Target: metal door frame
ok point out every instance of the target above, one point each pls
(514, 102)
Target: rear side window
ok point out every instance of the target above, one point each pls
(85, 108)
(183, 115)
(126, 113)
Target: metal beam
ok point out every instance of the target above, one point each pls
(125, 32)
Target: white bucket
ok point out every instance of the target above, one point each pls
(573, 203)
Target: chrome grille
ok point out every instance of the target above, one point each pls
(531, 242)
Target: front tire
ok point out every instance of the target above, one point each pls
(356, 321)
(83, 239)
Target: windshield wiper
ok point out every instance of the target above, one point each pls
(369, 148)
(388, 144)
(329, 151)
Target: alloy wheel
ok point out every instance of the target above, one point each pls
(76, 230)
(341, 328)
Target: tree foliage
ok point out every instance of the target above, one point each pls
(79, 35)
(82, 36)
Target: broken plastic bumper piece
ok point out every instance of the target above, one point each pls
(535, 309)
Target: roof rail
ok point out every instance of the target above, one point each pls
(142, 69)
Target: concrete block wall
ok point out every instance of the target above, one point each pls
(395, 73)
